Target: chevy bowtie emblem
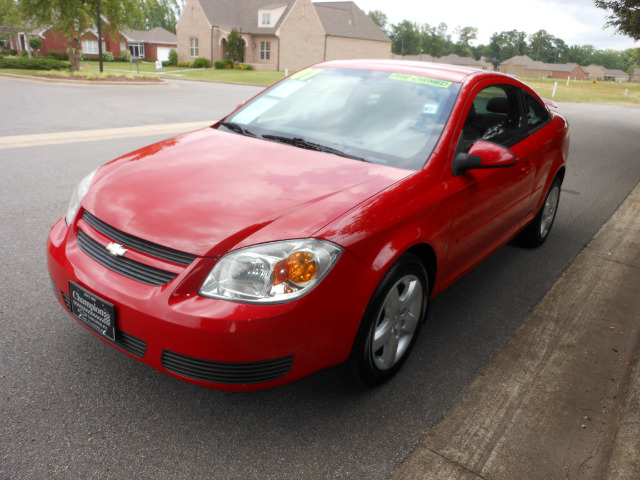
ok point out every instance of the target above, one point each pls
(116, 249)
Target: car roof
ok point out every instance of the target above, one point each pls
(440, 71)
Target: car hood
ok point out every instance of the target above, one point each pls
(208, 192)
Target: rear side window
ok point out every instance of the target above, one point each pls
(537, 114)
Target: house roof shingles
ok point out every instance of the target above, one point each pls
(155, 35)
(339, 19)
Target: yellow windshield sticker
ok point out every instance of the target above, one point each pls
(306, 74)
(422, 80)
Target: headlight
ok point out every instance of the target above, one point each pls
(271, 273)
(78, 194)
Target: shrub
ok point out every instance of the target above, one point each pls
(14, 52)
(201, 63)
(242, 66)
(125, 56)
(218, 65)
(39, 63)
(107, 57)
(35, 43)
(173, 57)
(185, 64)
(58, 55)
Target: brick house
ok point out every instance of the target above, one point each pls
(636, 75)
(153, 44)
(597, 72)
(523, 66)
(279, 34)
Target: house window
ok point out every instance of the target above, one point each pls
(137, 50)
(90, 47)
(266, 19)
(193, 47)
(265, 50)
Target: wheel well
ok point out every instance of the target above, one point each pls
(427, 256)
(560, 174)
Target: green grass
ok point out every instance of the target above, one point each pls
(209, 74)
(586, 91)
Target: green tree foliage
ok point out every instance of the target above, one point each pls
(625, 16)
(379, 19)
(74, 17)
(505, 45)
(235, 47)
(158, 13)
(9, 13)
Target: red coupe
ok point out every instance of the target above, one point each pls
(312, 225)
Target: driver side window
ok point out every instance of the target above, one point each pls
(495, 116)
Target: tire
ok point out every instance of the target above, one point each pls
(538, 230)
(391, 322)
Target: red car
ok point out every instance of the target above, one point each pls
(312, 225)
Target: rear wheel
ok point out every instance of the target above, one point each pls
(391, 322)
(538, 230)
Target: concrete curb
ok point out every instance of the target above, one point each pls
(561, 399)
(95, 83)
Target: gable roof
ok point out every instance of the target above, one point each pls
(155, 35)
(242, 14)
(339, 19)
(345, 19)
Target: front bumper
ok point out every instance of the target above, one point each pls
(217, 343)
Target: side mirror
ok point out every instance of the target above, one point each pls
(483, 155)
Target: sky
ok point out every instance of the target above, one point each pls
(577, 22)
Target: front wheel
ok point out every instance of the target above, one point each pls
(538, 230)
(391, 322)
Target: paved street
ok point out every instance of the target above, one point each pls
(71, 407)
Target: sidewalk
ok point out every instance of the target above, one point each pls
(561, 400)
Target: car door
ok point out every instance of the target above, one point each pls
(487, 205)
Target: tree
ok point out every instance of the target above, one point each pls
(9, 13)
(625, 16)
(235, 47)
(405, 38)
(541, 46)
(505, 45)
(74, 17)
(379, 19)
(465, 36)
(158, 13)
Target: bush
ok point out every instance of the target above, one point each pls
(35, 43)
(241, 66)
(58, 55)
(125, 56)
(107, 57)
(185, 64)
(14, 52)
(201, 63)
(39, 63)
(173, 57)
(218, 65)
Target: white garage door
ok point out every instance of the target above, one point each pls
(163, 53)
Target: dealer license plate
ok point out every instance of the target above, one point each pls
(96, 313)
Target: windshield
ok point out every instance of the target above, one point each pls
(380, 117)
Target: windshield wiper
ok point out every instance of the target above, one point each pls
(302, 143)
(234, 127)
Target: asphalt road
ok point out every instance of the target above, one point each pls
(72, 407)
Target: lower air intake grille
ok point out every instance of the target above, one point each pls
(226, 373)
(124, 266)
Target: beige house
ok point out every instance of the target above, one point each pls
(452, 59)
(523, 66)
(279, 34)
(597, 72)
(636, 75)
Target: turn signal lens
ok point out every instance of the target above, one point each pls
(298, 268)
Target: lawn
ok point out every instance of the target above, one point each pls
(587, 91)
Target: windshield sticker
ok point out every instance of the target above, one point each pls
(307, 73)
(430, 109)
(422, 80)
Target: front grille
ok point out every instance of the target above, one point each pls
(135, 270)
(226, 373)
(128, 343)
(152, 249)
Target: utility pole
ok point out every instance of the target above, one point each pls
(100, 35)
